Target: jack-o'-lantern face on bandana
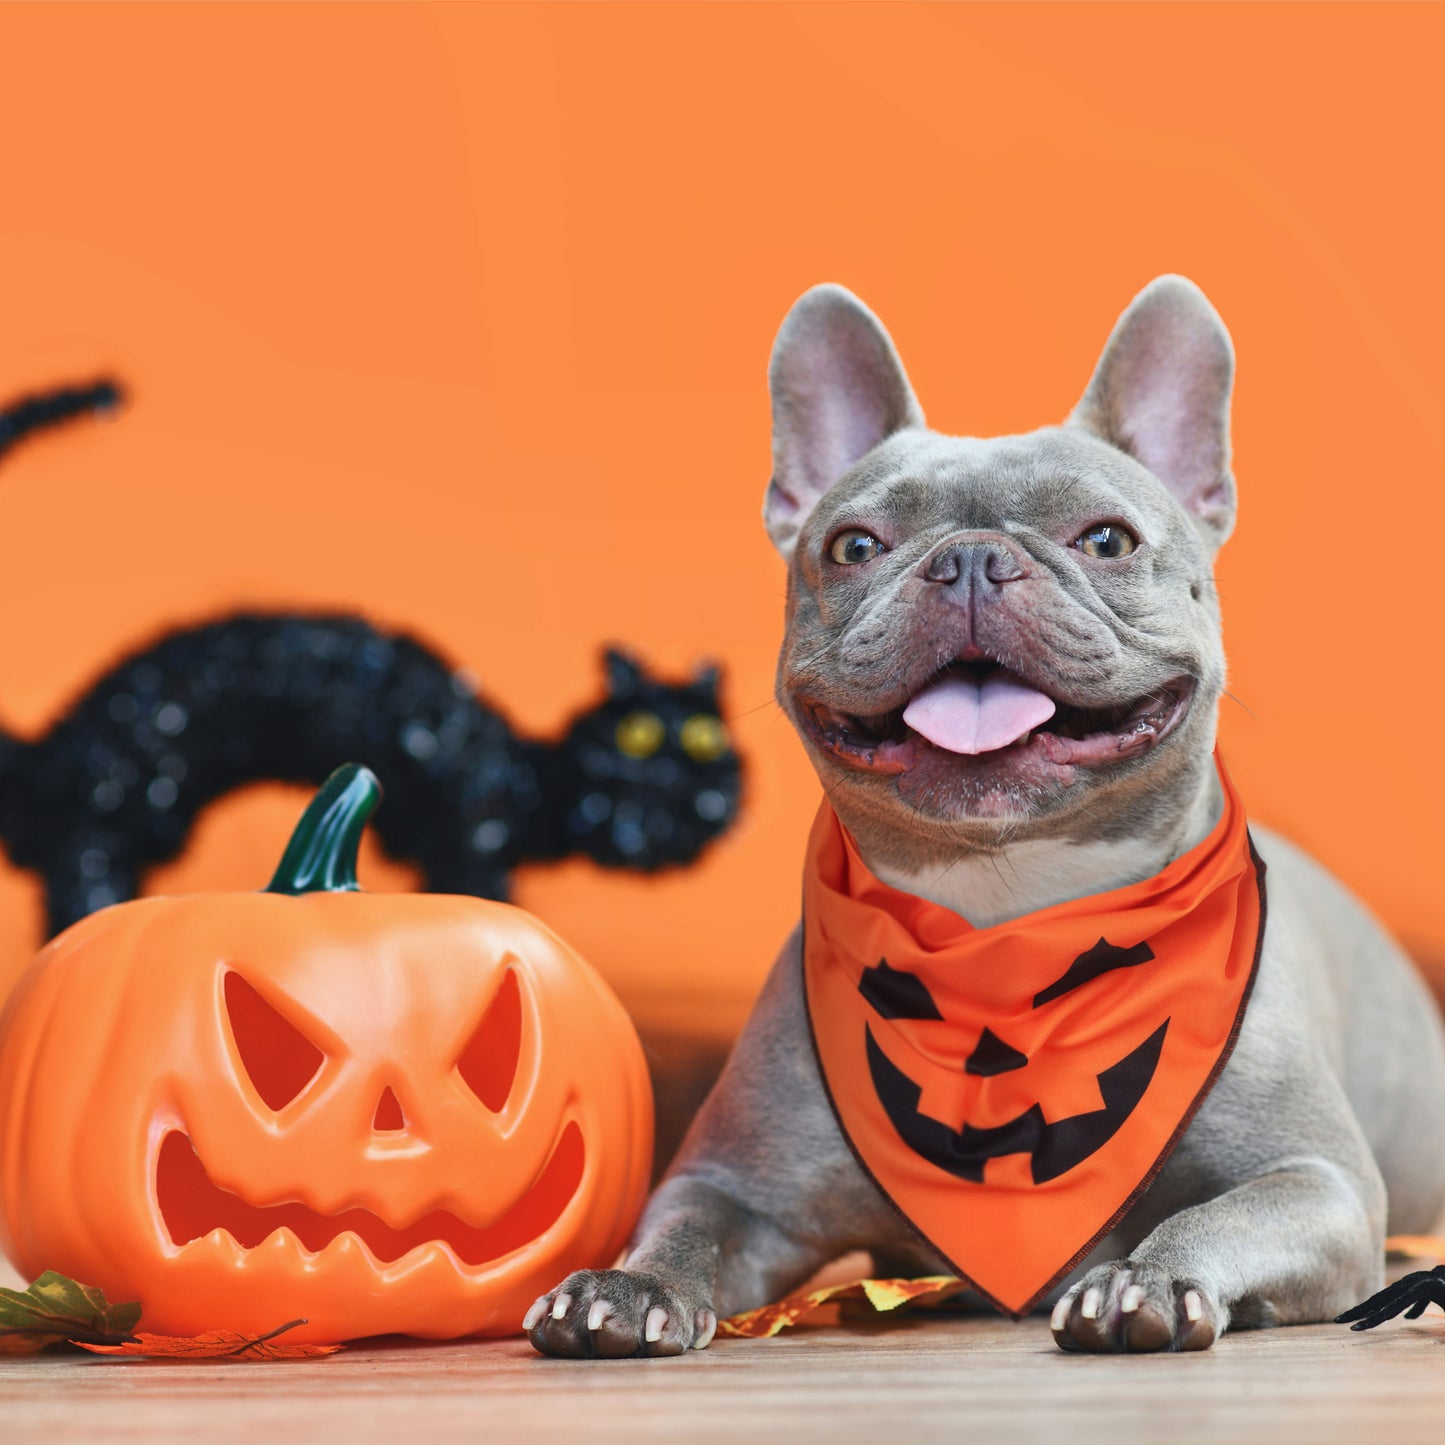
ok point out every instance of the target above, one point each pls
(1014, 1089)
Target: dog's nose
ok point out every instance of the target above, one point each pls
(989, 560)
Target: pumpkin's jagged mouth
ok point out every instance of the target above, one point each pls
(193, 1206)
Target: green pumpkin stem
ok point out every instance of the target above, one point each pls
(321, 856)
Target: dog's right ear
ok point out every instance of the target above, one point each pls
(838, 390)
(1161, 393)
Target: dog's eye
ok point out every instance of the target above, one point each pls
(853, 546)
(1107, 540)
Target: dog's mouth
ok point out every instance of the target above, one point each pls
(986, 717)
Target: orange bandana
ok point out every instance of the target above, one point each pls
(1014, 1089)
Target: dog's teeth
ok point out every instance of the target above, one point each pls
(1131, 1299)
(1090, 1308)
(1193, 1306)
(561, 1305)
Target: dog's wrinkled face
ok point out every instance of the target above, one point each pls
(1010, 638)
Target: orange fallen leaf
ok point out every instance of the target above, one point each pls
(216, 1345)
(889, 1294)
(1415, 1246)
(882, 1295)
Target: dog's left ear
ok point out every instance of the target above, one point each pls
(1161, 393)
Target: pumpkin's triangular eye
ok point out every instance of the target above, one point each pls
(488, 1064)
(277, 1057)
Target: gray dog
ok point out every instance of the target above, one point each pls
(1072, 566)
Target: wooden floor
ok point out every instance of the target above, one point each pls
(914, 1380)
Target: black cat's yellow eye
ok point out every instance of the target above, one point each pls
(855, 545)
(1107, 540)
(704, 739)
(640, 734)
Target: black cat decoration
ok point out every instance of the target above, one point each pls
(643, 780)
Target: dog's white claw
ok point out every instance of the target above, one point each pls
(598, 1313)
(1193, 1306)
(561, 1305)
(656, 1323)
(1090, 1307)
(706, 1324)
(1131, 1299)
(539, 1308)
(1060, 1316)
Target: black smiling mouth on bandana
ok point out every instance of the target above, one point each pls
(1053, 1148)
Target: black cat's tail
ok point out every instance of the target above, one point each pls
(43, 409)
(21, 418)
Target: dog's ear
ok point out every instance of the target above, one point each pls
(838, 390)
(1161, 393)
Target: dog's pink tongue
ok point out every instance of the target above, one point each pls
(966, 716)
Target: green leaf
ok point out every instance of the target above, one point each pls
(55, 1308)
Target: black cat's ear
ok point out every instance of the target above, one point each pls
(624, 676)
(708, 675)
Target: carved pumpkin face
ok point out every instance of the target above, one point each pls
(1054, 1143)
(389, 1113)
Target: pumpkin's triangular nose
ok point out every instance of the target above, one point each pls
(388, 1118)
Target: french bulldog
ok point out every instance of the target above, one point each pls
(1072, 563)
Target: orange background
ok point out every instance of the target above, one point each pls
(461, 315)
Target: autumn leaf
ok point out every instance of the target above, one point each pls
(882, 1295)
(1415, 1246)
(216, 1345)
(55, 1308)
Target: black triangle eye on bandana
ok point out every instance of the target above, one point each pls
(1014, 1089)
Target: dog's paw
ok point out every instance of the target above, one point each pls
(1129, 1306)
(611, 1314)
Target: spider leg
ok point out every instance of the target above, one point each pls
(1432, 1292)
(1412, 1294)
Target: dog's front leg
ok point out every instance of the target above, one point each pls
(1271, 1210)
(1294, 1246)
(700, 1253)
(763, 1194)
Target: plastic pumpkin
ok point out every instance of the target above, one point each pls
(380, 1112)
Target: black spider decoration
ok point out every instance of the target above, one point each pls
(643, 780)
(1409, 1295)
